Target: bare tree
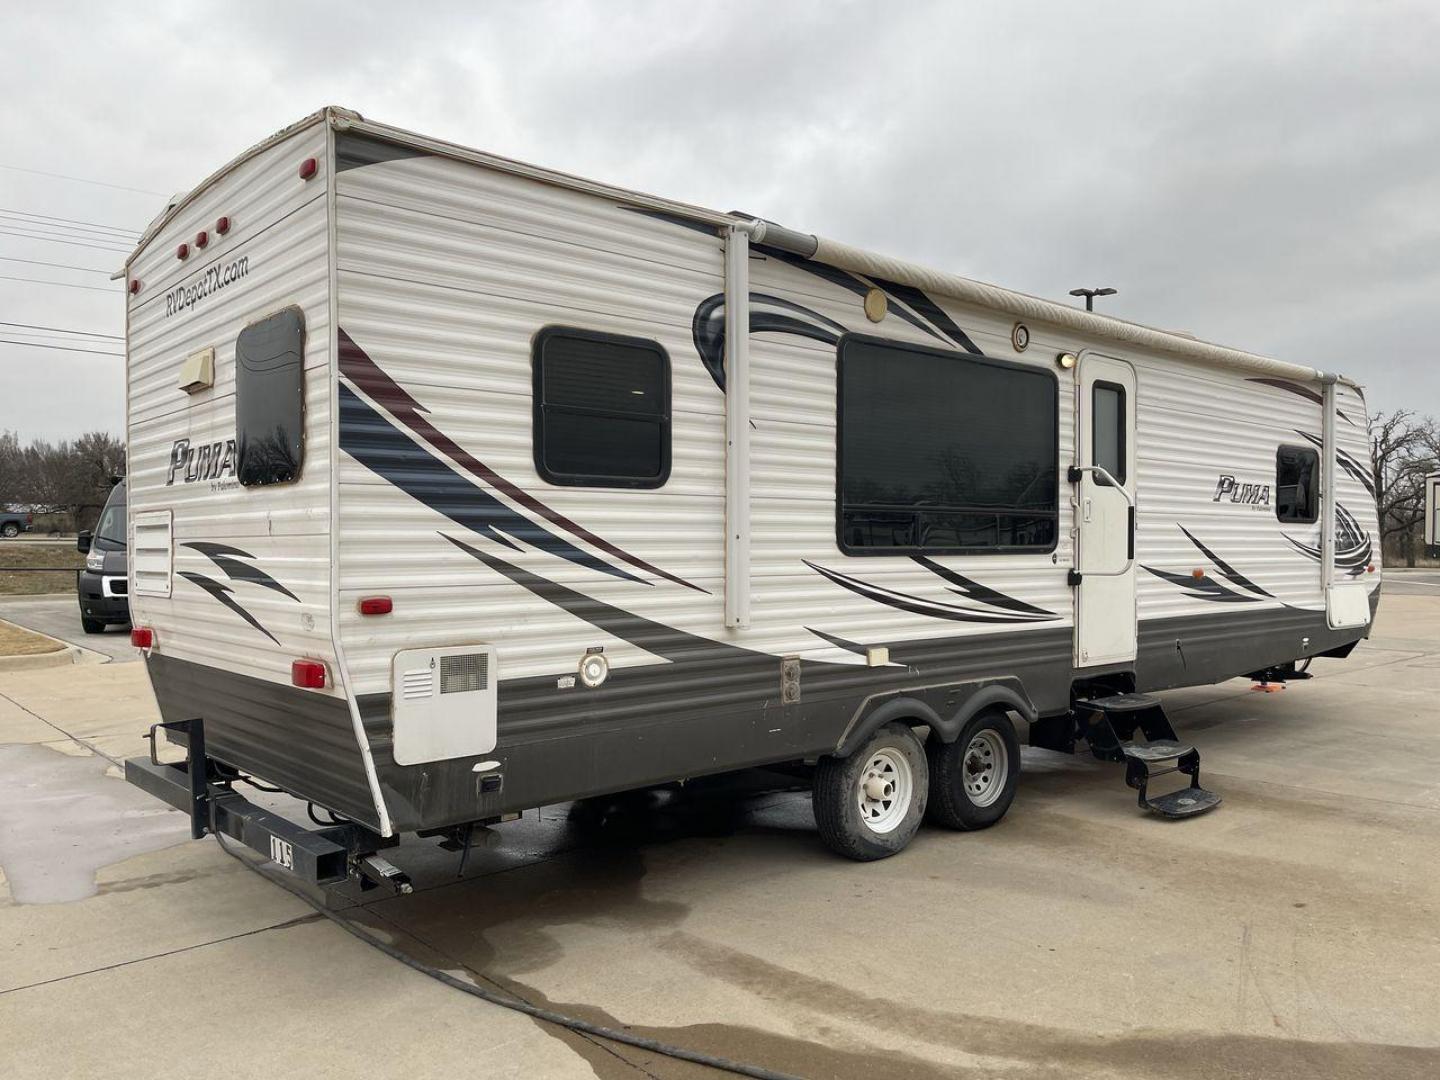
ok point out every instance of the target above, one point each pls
(65, 477)
(1404, 447)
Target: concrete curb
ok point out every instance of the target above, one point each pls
(65, 656)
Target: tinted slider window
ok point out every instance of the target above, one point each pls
(1297, 493)
(944, 452)
(270, 399)
(602, 409)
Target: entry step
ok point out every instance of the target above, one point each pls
(1121, 703)
(1133, 730)
(1152, 753)
(1183, 803)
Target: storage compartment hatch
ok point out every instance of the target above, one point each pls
(443, 703)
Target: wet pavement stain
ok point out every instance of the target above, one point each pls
(1159, 1054)
(499, 928)
(62, 819)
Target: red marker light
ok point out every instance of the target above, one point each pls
(142, 637)
(202, 238)
(308, 673)
(308, 168)
(183, 251)
(222, 226)
(376, 605)
(134, 286)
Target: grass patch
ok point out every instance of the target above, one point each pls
(19, 561)
(17, 642)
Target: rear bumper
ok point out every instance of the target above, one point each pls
(307, 853)
(202, 789)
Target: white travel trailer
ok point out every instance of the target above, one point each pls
(460, 487)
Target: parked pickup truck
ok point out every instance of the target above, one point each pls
(12, 525)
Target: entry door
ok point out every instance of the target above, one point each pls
(1104, 516)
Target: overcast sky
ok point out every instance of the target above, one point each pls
(1263, 175)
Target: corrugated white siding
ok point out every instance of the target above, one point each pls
(446, 293)
(279, 228)
(447, 271)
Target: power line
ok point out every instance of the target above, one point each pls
(58, 266)
(76, 232)
(62, 284)
(71, 221)
(62, 330)
(58, 339)
(82, 180)
(14, 221)
(57, 240)
(58, 348)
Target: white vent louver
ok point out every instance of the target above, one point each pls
(152, 553)
(443, 703)
(417, 684)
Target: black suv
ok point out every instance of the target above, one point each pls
(103, 585)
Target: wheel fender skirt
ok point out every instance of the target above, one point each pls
(944, 709)
(1000, 693)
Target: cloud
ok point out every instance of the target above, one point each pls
(1259, 175)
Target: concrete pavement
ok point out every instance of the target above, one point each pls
(1292, 933)
(58, 614)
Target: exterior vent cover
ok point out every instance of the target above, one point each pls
(442, 703)
(465, 673)
(152, 553)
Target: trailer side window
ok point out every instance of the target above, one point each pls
(270, 399)
(1297, 491)
(602, 409)
(944, 452)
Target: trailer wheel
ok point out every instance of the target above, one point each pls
(869, 805)
(972, 780)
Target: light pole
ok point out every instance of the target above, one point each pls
(1090, 294)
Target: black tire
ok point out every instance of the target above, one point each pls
(844, 827)
(9, 530)
(91, 626)
(988, 738)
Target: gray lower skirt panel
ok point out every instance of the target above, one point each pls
(298, 740)
(1195, 650)
(708, 713)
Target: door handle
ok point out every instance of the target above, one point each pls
(1089, 506)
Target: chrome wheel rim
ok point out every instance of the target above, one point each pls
(884, 790)
(985, 768)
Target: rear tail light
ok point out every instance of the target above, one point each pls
(376, 605)
(202, 238)
(183, 251)
(308, 673)
(142, 637)
(134, 286)
(308, 168)
(30, 520)
(222, 226)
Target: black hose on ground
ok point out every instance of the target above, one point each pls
(549, 1016)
